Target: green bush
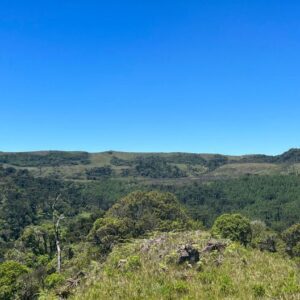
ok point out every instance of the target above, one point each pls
(157, 167)
(53, 280)
(134, 262)
(264, 238)
(10, 272)
(291, 236)
(107, 231)
(137, 214)
(234, 227)
(258, 290)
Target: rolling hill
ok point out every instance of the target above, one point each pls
(148, 167)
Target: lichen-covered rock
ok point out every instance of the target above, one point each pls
(188, 253)
(214, 246)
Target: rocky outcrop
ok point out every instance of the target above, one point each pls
(214, 246)
(188, 253)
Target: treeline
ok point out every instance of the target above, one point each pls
(211, 162)
(149, 166)
(57, 158)
(49, 158)
(290, 156)
(272, 199)
(26, 200)
(156, 166)
(30, 264)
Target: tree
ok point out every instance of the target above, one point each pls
(234, 227)
(10, 272)
(40, 239)
(57, 217)
(263, 237)
(291, 236)
(139, 213)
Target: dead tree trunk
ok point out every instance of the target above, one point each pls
(56, 222)
(57, 241)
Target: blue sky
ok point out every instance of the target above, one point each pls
(197, 76)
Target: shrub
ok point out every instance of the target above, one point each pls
(134, 263)
(234, 227)
(107, 231)
(10, 272)
(258, 290)
(99, 172)
(53, 280)
(263, 238)
(291, 236)
(138, 213)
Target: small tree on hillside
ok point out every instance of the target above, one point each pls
(291, 236)
(137, 214)
(234, 227)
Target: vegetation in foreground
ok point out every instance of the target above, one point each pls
(149, 269)
(78, 238)
(146, 246)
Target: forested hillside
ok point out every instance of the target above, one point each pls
(174, 167)
(68, 218)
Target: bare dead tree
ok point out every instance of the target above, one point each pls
(57, 217)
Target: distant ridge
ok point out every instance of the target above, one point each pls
(179, 166)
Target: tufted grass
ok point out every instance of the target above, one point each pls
(147, 269)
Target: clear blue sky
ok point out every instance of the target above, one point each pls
(199, 76)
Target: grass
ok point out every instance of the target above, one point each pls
(149, 271)
(239, 169)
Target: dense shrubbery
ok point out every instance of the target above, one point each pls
(264, 238)
(96, 173)
(10, 283)
(186, 158)
(273, 199)
(234, 227)
(120, 162)
(149, 166)
(138, 213)
(156, 167)
(291, 236)
(27, 233)
(291, 156)
(38, 239)
(25, 200)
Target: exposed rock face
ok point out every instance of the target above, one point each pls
(211, 246)
(153, 242)
(188, 253)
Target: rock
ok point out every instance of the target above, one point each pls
(212, 246)
(188, 253)
(152, 243)
(122, 263)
